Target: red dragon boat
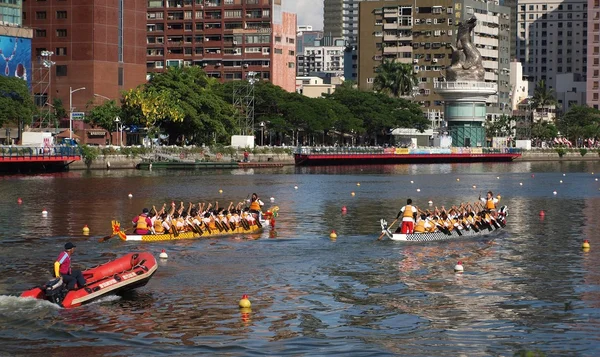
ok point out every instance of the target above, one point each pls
(128, 272)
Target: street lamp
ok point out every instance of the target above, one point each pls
(119, 130)
(262, 133)
(71, 91)
(101, 96)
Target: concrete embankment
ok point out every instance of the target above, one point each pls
(553, 156)
(115, 162)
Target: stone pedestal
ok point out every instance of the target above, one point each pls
(465, 110)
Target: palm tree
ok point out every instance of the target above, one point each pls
(395, 79)
(543, 97)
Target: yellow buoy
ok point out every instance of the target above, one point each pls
(245, 302)
(586, 244)
(358, 184)
(86, 230)
(457, 179)
(220, 191)
(333, 235)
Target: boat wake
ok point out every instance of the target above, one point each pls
(16, 305)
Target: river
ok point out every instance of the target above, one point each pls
(527, 289)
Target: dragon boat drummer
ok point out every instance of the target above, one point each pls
(409, 215)
(142, 223)
(490, 203)
(62, 268)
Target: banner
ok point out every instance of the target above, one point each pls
(402, 151)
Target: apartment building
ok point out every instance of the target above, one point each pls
(228, 38)
(96, 45)
(326, 55)
(423, 36)
(552, 39)
(340, 20)
(593, 54)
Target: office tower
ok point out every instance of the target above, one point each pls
(340, 20)
(228, 38)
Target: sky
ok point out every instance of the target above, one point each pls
(310, 12)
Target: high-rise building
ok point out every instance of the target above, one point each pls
(340, 20)
(325, 55)
(227, 38)
(552, 39)
(94, 44)
(593, 54)
(423, 36)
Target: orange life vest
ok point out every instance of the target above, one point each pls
(255, 206)
(420, 227)
(408, 212)
(141, 223)
(158, 227)
(489, 204)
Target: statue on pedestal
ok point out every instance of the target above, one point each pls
(466, 64)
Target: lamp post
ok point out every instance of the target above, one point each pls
(71, 91)
(119, 130)
(262, 133)
(101, 96)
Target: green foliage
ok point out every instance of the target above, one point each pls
(59, 109)
(561, 151)
(499, 128)
(16, 104)
(543, 97)
(580, 122)
(205, 114)
(148, 106)
(583, 151)
(104, 115)
(544, 131)
(395, 79)
(89, 154)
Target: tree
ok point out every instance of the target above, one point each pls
(580, 122)
(16, 104)
(543, 97)
(59, 109)
(205, 115)
(395, 79)
(146, 106)
(501, 127)
(104, 115)
(544, 131)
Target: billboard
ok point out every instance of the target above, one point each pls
(15, 57)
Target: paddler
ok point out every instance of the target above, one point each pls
(409, 215)
(62, 268)
(142, 223)
(490, 202)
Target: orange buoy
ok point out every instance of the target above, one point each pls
(542, 213)
(344, 209)
(19, 200)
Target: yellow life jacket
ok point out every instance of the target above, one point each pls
(255, 206)
(420, 227)
(158, 227)
(432, 227)
(408, 212)
(141, 223)
(212, 224)
(490, 204)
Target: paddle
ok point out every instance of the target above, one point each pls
(390, 226)
(104, 239)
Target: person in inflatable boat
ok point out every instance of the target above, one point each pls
(62, 268)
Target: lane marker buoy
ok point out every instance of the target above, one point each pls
(19, 200)
(430, 202)
(272, 199)
(245, 302)
(130, 195)
(554, 192)
(333, 235)
(295, 187)
(542, 213)
(163, 255)
(412, 181)
(344, 209)
(353, 193)
(418, 190)
(358, 184)
(86, 230)
(44, 213)
(586, 244)
(459, 267)
(520, 183)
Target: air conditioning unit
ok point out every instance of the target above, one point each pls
(204, 64)
(435, 60)
(245, 65)
(235, 43)
(218, 64)
(415, 60)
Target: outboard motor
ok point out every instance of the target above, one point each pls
(55, 291)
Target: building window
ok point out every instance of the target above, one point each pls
(61, 51)
(120, 31)
(40, 15)
(121, 76)
(61, 14)
(61, 33)
(61, 70)
(370, 79)
(40, 33)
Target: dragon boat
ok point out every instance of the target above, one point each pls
(454, 234)
(267, 219)
(128, 272)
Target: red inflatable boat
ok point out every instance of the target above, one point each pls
(126, 273)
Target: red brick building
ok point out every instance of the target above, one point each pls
(97, 44)
(228, 38)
